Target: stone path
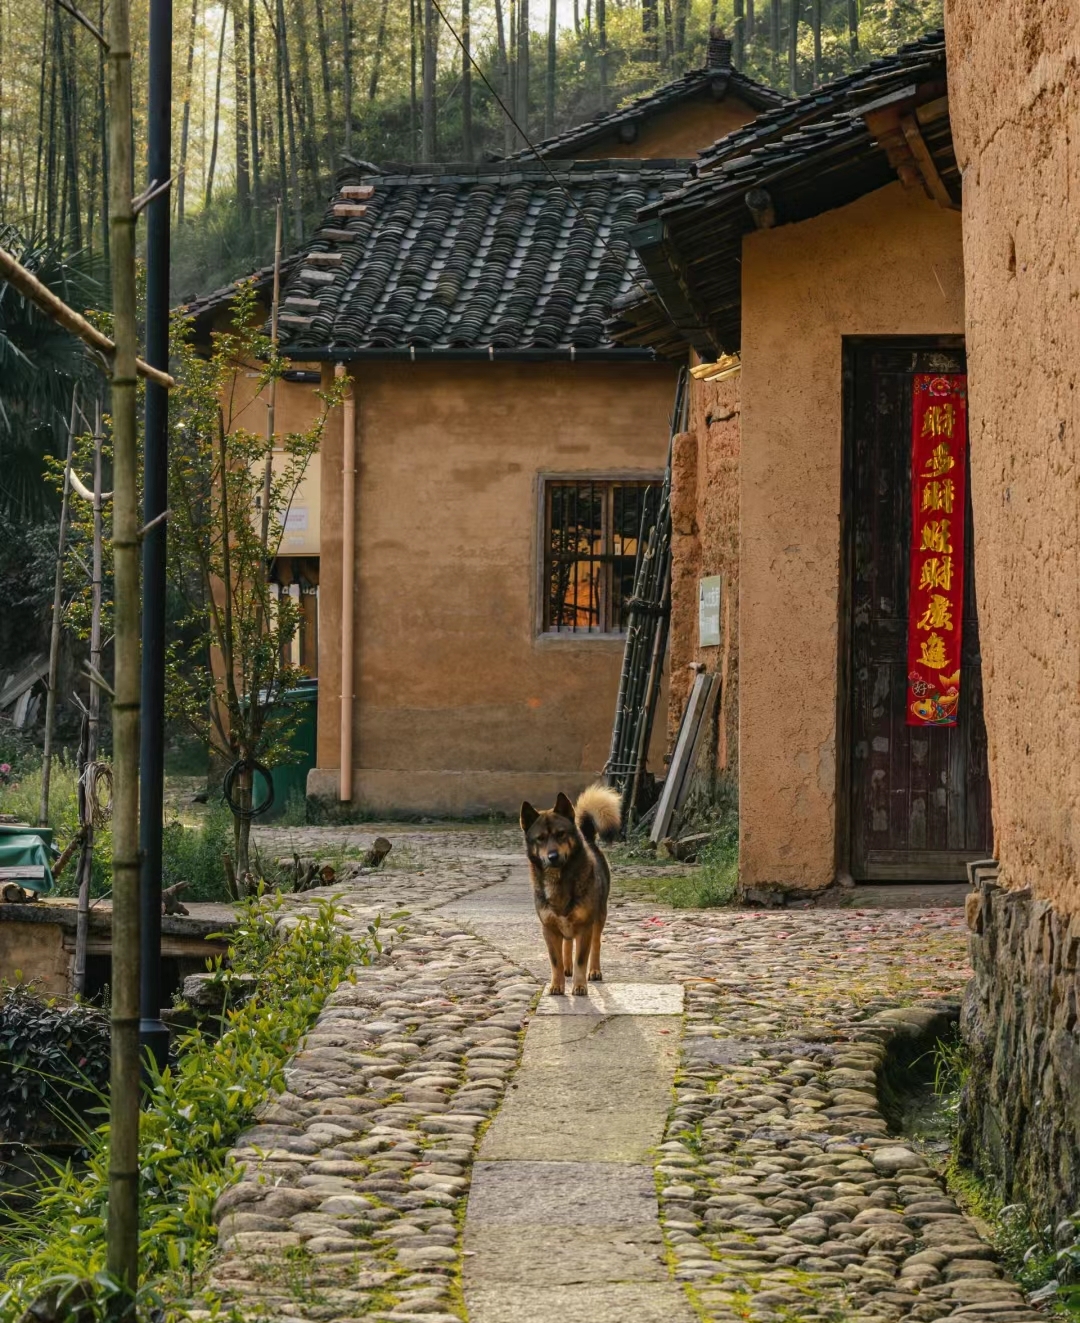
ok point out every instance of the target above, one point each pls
(377, 1188)
(562, 1212)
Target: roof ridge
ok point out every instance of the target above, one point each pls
(654, 101)
(397, 173)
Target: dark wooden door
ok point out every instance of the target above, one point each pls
(919, 797)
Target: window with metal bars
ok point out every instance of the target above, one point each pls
(592, 529)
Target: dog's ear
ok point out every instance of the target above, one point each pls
(528, 816)
(563, 807)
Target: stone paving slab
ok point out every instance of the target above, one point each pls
(557, 1255)
(570, 1194)
(617, 999)
(588, 1090)
(606, 1302)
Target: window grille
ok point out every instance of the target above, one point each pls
(592, 532)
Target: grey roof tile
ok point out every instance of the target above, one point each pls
(511, 256)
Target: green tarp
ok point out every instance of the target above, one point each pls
(25, 859)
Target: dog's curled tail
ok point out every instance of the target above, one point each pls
(597, 812)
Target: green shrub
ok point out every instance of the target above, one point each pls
(195, 1112)
(54, 1061)
(711, 883)
(195, 854)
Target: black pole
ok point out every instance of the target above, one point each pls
(153, 1035)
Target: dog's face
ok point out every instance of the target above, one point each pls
(550, 834)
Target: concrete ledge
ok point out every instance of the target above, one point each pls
(448, 794)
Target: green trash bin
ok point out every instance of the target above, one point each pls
(290, 779)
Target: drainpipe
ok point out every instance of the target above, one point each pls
(348, 572)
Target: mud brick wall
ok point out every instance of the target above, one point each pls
(1014, 99)
(1020, 1125)
(705, 540)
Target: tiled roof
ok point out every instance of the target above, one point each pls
(717, 81)
(812, 155)
(507, 256)
(810, 124)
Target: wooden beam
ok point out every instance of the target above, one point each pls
(760, 205)
(31, 288)
(929, 171)
(884, 124)
(932, 110)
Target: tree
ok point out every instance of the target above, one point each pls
(466, 80)
(40, 364)
(223, 536)
(430, 48)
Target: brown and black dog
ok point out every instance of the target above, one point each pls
(571, 880)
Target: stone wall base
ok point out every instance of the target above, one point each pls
(1020, 1118)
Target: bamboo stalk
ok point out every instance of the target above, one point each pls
(123, 1215)
(31, 288)
(54, 639)
(86, 856)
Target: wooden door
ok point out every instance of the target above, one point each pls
(918, 798)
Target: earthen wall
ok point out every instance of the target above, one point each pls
(682, 131)
(1014, 78)
(889, 264)
(1014, 81)
(462, 705)
(705, 541)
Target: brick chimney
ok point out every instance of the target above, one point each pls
(718, 53)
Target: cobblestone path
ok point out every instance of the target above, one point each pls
(783, 1193)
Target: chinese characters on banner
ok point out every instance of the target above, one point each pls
(936, 599)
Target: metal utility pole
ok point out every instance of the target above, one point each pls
(122, 1258)
(153, 1036)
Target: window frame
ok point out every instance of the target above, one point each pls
(546, 480)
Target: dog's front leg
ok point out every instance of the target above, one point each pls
(553, 938)
(568, 956)
(582, 945)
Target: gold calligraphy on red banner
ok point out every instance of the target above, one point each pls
(936, 597)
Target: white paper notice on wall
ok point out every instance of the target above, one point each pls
(296, 523)
(710, 592)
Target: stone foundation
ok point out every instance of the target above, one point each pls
(1020, 1125)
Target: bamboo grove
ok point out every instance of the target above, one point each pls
(268, 94)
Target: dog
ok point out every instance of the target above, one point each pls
(571, 881)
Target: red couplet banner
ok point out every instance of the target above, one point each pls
(938, 503)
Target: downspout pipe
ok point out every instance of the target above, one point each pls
(348, 580)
